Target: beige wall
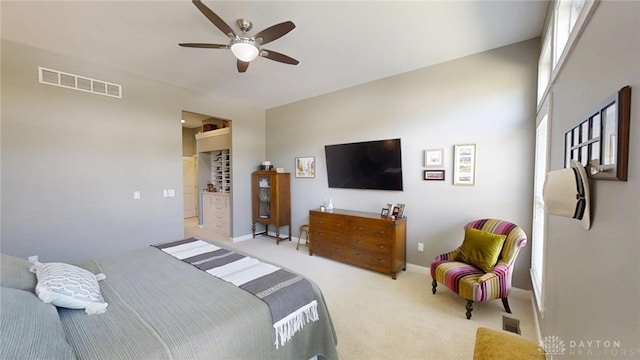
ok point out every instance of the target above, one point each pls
(72, 160)
(487, 99)
(189, 141)
(592, 284)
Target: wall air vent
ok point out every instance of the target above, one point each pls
(77, 82)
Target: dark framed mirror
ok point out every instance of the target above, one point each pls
(601, 141)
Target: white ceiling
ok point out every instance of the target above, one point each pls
(339, 43)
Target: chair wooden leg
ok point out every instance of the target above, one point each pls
(469, 308)
(434, 284)
(505, 302)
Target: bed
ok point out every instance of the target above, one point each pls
(159, 307)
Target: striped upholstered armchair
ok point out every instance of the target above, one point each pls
(471, 281)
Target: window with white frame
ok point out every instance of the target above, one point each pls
(544, 67)
(538, 230)
(568, 19)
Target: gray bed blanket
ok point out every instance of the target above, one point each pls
(163, 308)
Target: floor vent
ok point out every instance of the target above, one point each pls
(77, 82)
(511, 324)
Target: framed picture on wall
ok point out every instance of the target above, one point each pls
(433, 175)
(434, 158)
(464, 165)
(305, 167)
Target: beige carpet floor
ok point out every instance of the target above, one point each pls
(376, 317)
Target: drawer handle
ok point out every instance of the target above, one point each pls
(381, 232)
(320, 222)
(381, 246)
(337, 225)
(359, 228)
(380, 260)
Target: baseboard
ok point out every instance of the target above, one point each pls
(534, 310)
(271, 233)
(241, 238)
(520, 293)
(419, 269)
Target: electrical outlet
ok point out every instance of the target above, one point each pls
(33, 258)
(420, 246)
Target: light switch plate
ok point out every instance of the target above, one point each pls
(172, 193)
(136, 195)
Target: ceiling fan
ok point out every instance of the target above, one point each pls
(244, 47)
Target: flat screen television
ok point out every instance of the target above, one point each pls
(375, 165)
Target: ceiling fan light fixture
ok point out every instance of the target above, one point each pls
(244, 49)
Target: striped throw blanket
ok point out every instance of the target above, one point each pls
(289, 296)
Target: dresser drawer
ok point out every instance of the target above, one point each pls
(373, 261)
(333, 223)
(221, 227)
(377, 229)
(219, 207)
(220, 216)
(220, 200)
(329, 237)
(330, 250)
(371, 244)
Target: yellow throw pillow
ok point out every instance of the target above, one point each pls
(480, 249)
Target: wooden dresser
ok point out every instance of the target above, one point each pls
(359, 238)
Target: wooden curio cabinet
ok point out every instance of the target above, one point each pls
(271, 202)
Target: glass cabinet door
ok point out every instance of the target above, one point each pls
(264, 197)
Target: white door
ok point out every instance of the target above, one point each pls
(189, 181)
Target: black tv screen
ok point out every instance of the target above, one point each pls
(373, 165)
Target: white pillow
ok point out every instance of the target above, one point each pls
(69, 286)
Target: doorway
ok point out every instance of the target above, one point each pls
(206, 166)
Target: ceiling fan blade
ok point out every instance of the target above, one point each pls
(242, 66)
(276, 56)
(207, 46)
(274, 32)
(215, 19)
